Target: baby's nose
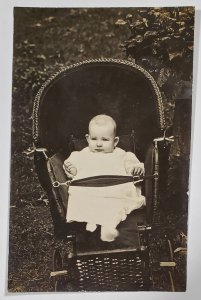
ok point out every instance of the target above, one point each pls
(99, 143)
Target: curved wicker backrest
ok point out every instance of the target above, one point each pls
(69, 99)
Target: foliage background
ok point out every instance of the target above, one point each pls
(45, 40)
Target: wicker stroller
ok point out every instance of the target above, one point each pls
(62, 110)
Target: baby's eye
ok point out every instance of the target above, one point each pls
(93, 139)
(104, 139)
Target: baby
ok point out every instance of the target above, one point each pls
(105, 206)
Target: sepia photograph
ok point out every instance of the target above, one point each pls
(100, 149)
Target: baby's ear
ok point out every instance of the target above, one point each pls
(116, 140)
(87, 137)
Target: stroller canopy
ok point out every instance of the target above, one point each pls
(69, 99)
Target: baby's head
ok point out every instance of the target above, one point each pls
(102, 134)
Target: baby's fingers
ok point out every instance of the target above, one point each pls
(141, 171)
(65, 167)
(69, 175)
(138, 171)
(67, 172)
(67, 164)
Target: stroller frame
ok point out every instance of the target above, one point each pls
(107, 269)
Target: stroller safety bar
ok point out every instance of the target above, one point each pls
(104, 180)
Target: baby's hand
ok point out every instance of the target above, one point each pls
(69, 169)
(137, 169)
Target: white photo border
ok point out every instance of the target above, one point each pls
(194, 220)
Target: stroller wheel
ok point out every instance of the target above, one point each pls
(58, 280)
(168, 272)
(162, 265)
(171, 271)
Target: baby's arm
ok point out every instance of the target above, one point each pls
(69, 169)
(132, 165)
(70, 164)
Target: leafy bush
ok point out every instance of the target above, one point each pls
(162, 33)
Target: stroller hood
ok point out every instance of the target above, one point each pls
(71, 97)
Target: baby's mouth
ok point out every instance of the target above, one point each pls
(99, 150)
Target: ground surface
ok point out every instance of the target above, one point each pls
(45, 40)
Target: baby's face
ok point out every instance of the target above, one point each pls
(101, 138)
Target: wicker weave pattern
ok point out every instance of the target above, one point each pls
(117, 272)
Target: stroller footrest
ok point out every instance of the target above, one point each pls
(58, 273)
(167, 264)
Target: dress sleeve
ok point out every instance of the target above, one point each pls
(131, 161)
(73, 158)
(129, 156)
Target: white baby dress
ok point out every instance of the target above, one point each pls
(106, 206)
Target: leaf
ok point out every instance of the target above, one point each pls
(122, 45)
(32, 45)
(120, 22)
(173, 55)
(138, 38)
(183, 14)
(154, 51)
(156, 13)
(150, 34)
(190, 47)
(165, 38)
(182, 29)
(46, 201)
(41, 57)
(163, 76)
(81, 49)
(181, 23)
(129, 17)
(49, 19)
(138, 23)
(132, 44)
(110, 34)
(70, 30)
(145, 21)
(37, 25)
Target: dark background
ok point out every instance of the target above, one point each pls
(44, 41)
